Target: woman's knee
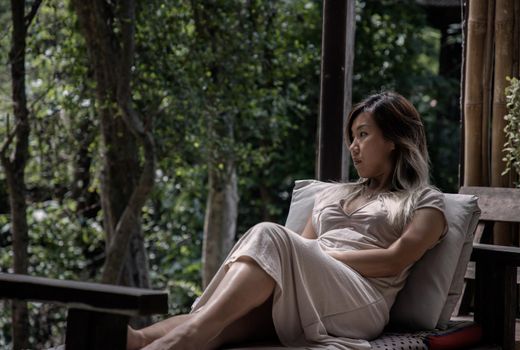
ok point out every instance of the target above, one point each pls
(272, 233)
(271, 229)
(267, 226)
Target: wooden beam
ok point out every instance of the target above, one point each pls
(337, 38)
(83, 295)
(497, 204)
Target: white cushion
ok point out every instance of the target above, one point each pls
(431, 291)
(436, 280)
(457, 285)
(302, 202)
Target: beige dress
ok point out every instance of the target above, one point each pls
(319, 302)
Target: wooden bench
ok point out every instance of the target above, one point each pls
(98, 314)
(496, 266)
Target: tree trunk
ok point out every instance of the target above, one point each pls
(16, 185)
(87, 201)
(222, 201)
(14, 164)
(125, 183)
(220, 219)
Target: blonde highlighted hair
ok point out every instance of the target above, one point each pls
(400, 123)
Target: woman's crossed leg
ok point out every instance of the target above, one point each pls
(239, 310)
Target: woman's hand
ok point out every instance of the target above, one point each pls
(336, 254)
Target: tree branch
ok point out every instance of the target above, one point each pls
(30, 16)
(8, 141)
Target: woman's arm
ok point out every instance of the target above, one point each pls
(421, 234)
(308, 231)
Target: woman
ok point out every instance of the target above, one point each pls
(333, 285)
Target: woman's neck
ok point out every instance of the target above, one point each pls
(376, 185)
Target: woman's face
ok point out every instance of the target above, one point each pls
(370, 151)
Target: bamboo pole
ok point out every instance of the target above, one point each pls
(487, 92)
(513, 177)
(477, 24)
(516, 39)
(504, 33)
(462, 152)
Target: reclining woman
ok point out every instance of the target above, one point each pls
(332, 285)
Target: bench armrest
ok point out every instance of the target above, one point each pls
(84, 295)
(98, 314)
(496, 253)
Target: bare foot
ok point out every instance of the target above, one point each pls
(134, 339)
(184, 337)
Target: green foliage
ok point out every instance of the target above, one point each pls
(396, 50)
(61, 245)
(267, 80)
(512, 128)
(173, 222)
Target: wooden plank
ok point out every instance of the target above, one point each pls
(85, 295)
(497, 204)
(504, 255)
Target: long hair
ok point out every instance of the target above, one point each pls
(400, 123)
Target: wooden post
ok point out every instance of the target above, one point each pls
(334, 75)
(349, 68)
(473, 94)
(504, 32)
(487, 92)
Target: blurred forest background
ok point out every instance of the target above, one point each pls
(229, 92)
